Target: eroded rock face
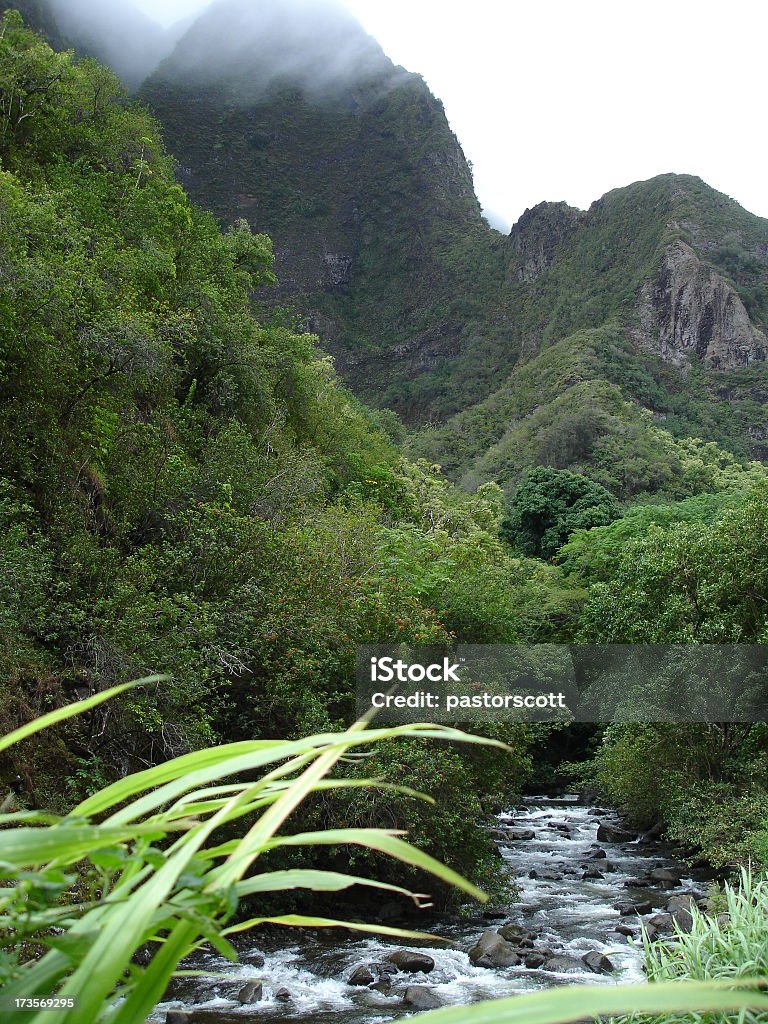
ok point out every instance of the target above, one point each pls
(690, 308)
(539, 235)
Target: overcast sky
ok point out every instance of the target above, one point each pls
(566, 99)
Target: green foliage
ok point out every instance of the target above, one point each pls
(188, 490)
(551, 504)
(690, 582)
(716, 948)
(147, 862)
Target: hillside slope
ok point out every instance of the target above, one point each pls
(382, 250)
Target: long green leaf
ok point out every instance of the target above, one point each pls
(319, 881)
(70, 710)
(576, 1002)
(302, 921)
(385, 842)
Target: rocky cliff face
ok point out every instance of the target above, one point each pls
(538, 237)
(691, 309)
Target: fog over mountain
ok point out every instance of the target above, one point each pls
(118, 33)
(314, 44)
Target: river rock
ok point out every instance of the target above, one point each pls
(683, 919)
(491, 950)
(682, 902)
(421, 997)
(664, 876)
(283, 995)
(624, 929)
(518, 835)
(597, 855)
(592, 873)
(662, 923)
(251, 992)
(383, 985)
(597, 962)
(607, 833)
(538, 957)
(533, 873)
(516, 934)
(411, 962)
(362, 975)
(177, 1017)
(563, 965)
(627, 908)
(494, 914)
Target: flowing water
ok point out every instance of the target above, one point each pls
(572, 915)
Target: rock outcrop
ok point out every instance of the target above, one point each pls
(690, 309)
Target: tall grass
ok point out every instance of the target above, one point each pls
(727, 946)
(169, 881)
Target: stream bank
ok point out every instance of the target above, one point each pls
(585, 885)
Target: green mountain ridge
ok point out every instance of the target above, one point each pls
(302, 126)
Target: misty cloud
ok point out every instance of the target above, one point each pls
(315, 44)
(116, 33)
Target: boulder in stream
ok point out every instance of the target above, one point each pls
(491, 950)
(626, 907)
(250, 992)
(283, 995)
(362, 975)
(563, 965)
(421, 997)
(608, 833)
(410, 962)
(597, 962)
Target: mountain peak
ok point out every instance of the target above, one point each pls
(317, 46)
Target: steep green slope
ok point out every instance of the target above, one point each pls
(313, 135)
(186, 490)
(381, 249)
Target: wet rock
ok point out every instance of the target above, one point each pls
(283, 995)
(664, 876)
(624, 929)
(607, 833)
(637, 883)
(538, 957)
(592, 873)
(682, 902)
(383, 985)
(533, 873)
(662, 923)
(597, 962)
(177, 1017)
(420, 997)
(362, 975)
(683, 919)
(494, 914)
(252, 957)
(516, 934)
(597, 855)
(518, 835)
(251, 992)
(494, 951)
(411, 962)
(627, 908)
(563, 965)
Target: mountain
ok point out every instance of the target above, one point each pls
(306, 129)
(579, 340)
(311, 134)
(38, 15)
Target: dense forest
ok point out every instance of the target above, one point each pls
(189, 489)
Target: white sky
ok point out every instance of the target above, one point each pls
(566, 99)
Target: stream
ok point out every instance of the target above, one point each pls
(550, 844)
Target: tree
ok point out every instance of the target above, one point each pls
(549, 505)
